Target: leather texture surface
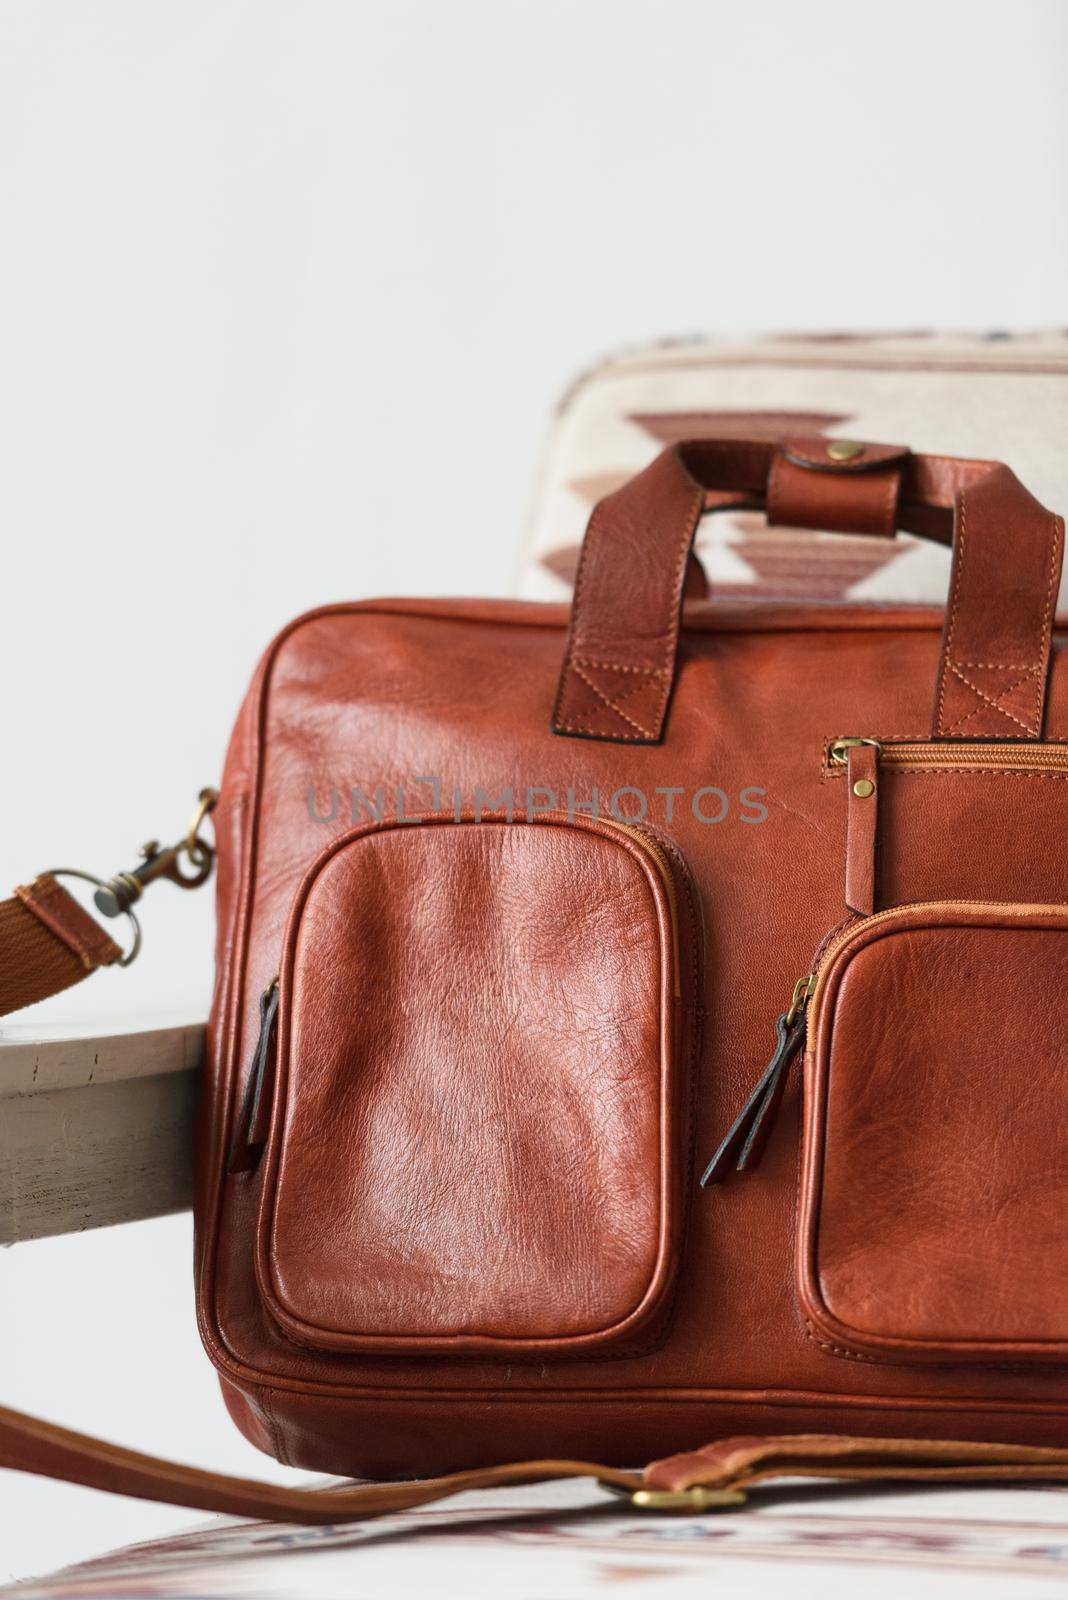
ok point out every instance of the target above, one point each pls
(936, 1146)
(479, 1139)
(381, 695)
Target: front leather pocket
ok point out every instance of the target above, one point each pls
(480, 1108)
(935, 1167)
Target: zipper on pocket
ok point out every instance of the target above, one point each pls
(659, 857)
(745, 1140)
(743, 1144)
(250, 1132)
(1023, 757)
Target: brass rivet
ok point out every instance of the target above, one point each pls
(844, 449)
(863, 788)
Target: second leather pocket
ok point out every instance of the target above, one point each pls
(935, 1169)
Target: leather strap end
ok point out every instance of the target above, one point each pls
(47, 943)
(61, 914)
(808, 488)
(739, 1462)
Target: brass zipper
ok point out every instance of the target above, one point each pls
(1021, 757)
(659, 857)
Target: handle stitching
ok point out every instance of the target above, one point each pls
(961, 545)
(610, 703)
(995, 705)
(611, 666)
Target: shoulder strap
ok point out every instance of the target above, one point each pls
(47, 943)
(697, 1480)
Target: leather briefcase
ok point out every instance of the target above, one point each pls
(523, 918)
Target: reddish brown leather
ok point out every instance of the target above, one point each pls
(543, 1176)
(862, 828)
(817, 451)
(377, 694)
(619, 665)
(995, 651)
(739, 1463)
(808, 488)
(932, 1199)
(47, 943)
(616, 681)
(380, 695)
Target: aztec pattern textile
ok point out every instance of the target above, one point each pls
(993, 395)
(963, 1544)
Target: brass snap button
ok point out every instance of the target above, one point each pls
(863, 788)
(844, 450)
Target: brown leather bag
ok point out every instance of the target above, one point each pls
(513, 907)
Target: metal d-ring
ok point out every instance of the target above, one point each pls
(91, 877)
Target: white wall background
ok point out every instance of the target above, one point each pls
(287, 289)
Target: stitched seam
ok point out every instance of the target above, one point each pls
(697, 503)
(601, 733)
(1047, 622)
(971, 772)
(1006, 666)
(836, 1349)
(906, 1358)
(995, 705)
(958, 568)
(610, 703)
(616, 700)
(612, 666)
(267, 1402)
(576, 611)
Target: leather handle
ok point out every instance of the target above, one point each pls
(694, 1480)
(620, 662)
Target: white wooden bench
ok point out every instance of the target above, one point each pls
(95, 1129)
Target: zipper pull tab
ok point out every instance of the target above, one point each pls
(250, 1133)
(862, 825)
(748, 1134)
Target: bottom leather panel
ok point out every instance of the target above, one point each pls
(936, 1143)
(424, 1435)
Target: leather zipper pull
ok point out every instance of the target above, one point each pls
(250, 1133)
(745, 1140)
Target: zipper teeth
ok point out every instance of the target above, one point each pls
(1037, 758)
(999, 755)
(660, 859)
